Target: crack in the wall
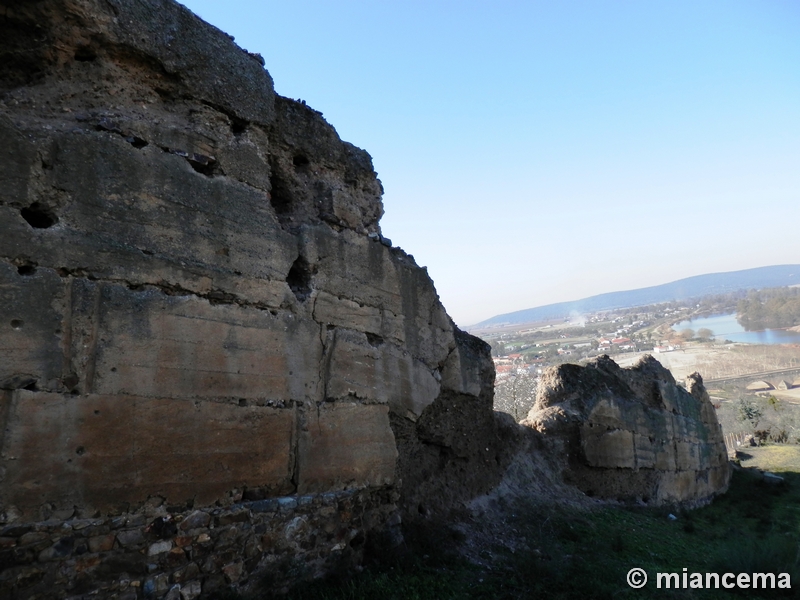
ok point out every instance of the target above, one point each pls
(214, 297)
(68, 376)
(91, 351)
(328, 339)
(5, 413)
(203, 164)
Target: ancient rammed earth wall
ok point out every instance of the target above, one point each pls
(211, 362)
(632, 434)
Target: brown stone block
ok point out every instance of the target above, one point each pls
(31, 322)
(665, 456)
(613, 449)
(678, 486)
(462, 374)
(383, 373)
(164, 346)
(608, 414)
(719, 477)
(645, 452)
(354, 267)
(346, 445)
(101, 451)
(687, 456)
(346, 313)
(18, 163)
(167, 224)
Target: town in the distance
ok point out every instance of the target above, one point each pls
(745, 342)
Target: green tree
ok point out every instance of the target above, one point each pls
(499, 348)
(749, 412)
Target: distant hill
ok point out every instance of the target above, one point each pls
(683, 289)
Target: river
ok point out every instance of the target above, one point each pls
(726, 327)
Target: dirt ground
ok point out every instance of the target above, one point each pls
(775, 458)
(715, 361)
(791, 396)
(680, 362)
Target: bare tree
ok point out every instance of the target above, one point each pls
(705, 334)
(516, 394)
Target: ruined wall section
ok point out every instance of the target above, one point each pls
(632, 434)
(197, 306)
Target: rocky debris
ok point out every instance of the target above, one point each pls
(632, 434)
(773, 479)
(196, 298)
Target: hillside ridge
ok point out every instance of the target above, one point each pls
(681, 289)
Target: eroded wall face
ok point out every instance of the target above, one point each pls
(197, 310)
(633, 434)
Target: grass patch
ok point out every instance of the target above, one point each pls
(571, 553)
(775, 458)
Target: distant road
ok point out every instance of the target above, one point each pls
(758, 375)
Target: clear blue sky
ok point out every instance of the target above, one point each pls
(538, 152)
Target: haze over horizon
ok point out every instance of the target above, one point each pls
(537, 152)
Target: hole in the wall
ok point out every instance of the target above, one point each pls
(280, 198)
(26, 270)
(85, 54)
(164, 94)
(374, 340)
(299, 278)
(204, 165)
(136, 142)
(39, 216)
(80, 450)
(31, 387)
(238, 126)
(17, 324)
(71, 380)
(242, 401)
(300, 160)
